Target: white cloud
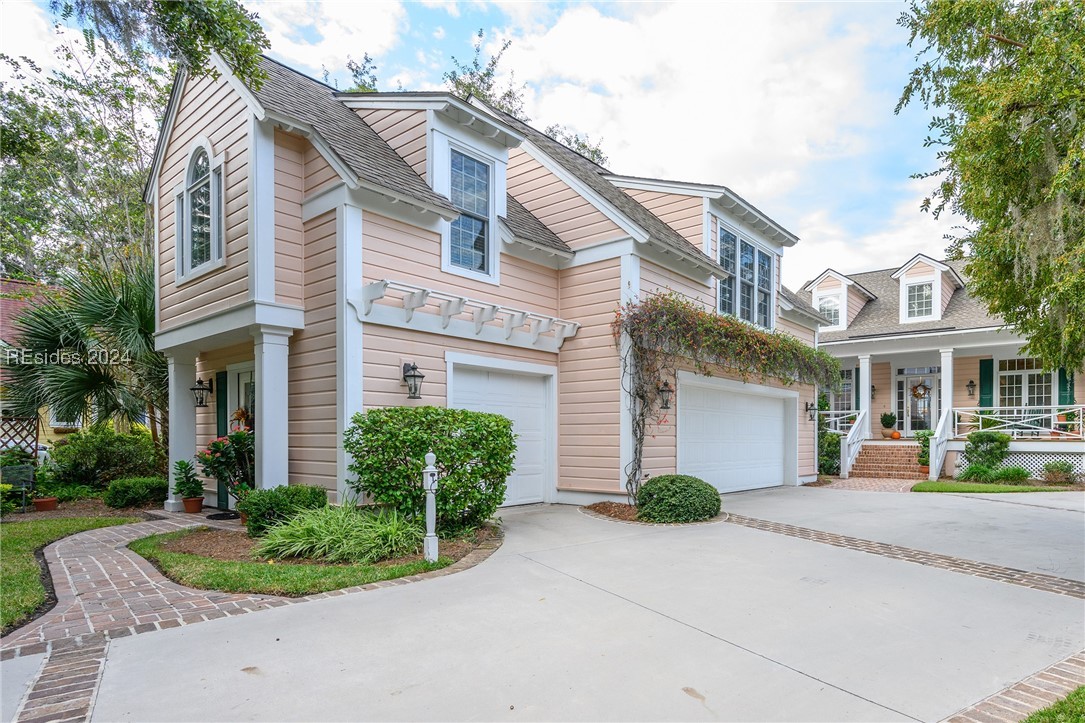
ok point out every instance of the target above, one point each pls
(908, 231)
(25, 29)
(439, 33)
(311, 34)
(449, 6)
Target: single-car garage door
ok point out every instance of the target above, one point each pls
(523, 399)
(731, 440)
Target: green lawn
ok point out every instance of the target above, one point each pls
(279, 578)
(20, 576)
(951, 486)
(1070, 709)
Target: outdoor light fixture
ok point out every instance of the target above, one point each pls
(971, 387)
(811, 410)
(414, 378)
(201, 391)
(665, 393)
(873, 391)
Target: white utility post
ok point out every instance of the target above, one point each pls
(429, 481)
(864, 392)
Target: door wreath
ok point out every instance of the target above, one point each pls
(920, 391)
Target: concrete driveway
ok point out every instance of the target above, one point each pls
(577, 618)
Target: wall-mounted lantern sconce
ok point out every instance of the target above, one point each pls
(201, 391)
(811, 411)
(414, 378)
(873, 392)
(665, 393)
(971, 387)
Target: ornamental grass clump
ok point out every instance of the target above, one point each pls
(677, 498)
(342, 534)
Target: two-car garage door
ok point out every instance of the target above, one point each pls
(731, 440)
(522, 398)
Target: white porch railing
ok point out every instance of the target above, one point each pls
(1064, 421)
(936, 453)
(839, 422)
(851, 443)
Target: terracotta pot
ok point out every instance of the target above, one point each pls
(895, 435)
(887, 432)
(925, 468)
(244, 518)
(193, 505)
(45, 504)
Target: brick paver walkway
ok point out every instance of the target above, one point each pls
(1031, 694)
(1012, 576)
(869, 484)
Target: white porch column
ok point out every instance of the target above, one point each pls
(182, 416)
(864, 391)
(945, 391)
(272, 349)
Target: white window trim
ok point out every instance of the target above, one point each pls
(996, 392)
(441, 173)
(936, 298)
(741, 236)
(841, 296)
(182, 232)
(57, 423)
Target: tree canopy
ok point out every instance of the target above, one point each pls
(1006, 83)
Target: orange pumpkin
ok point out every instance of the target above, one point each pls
(896, 435)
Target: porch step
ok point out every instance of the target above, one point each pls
(888, 461)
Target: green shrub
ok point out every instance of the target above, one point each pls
(976, 473)
(342, 534)
(9, 501)
(136, 491)
(185, 482)
(265, 508)
(923, 436)
(474, 450)
(1059, 472)
(987, 449)
(15, 456)
(67, 493)
(889, 420)
(677, 498)
(1011, 474)
(829, 453)
(98, 455)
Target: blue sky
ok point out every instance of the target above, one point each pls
(788, 104)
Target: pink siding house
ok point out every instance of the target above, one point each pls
(312, 244)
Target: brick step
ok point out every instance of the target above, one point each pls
(906, 466)
(881, 474)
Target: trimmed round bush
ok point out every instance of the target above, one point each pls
(677, 498)
(475, 453)
(98, 455)
(265, 508)
(136, 491)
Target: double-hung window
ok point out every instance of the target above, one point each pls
(746, 291)
(470, 234)
(198, 206)
(920, 300)
(829, 307)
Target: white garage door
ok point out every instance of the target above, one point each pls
(523, 399)
(732, 441)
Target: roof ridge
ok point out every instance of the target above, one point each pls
(297, 72)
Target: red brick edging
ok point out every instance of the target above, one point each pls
(1025, 697)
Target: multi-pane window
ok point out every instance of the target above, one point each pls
(57, 421)
(747, 289)
(842, 400)
(470, 236)
(198, 203)
(829, 307)
(920, 300)
(1024, 383)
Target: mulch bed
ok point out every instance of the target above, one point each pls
(93, 507)
(617, 510)
(237, 546)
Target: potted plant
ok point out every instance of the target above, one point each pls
(188, 486)
(889, 424)
(923, 436)
(43, 503)
(231, 461)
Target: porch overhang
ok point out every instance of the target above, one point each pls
(229, 326)
(918, 341)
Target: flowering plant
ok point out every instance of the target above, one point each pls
(231, 461)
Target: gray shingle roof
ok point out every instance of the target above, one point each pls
(297, 96)
(801, 305)
(882, 316)
(593, 175)
(524, 224)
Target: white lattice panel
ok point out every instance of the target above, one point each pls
(1034, 461)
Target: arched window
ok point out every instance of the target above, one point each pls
(829, 307)
(199, 214)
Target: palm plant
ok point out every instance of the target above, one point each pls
(90, 346)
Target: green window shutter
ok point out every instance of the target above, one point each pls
(987, 382)
(855, 387)
(220, 404)
(1066, 387)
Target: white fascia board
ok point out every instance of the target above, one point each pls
(164, 134)
(930, 341)
(529, 250)
(916, 259)
(737, 206)
(237, 85)
(603, 251)
(698, 380)
(678, 263)
(791, 313)
(340, 194)
(609, 210)
(202, 333)
(476, 118)
(826, 274)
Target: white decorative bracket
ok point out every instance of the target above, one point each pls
(514, 321)
(414, 300)
(451, 308)
(373, 291)
(482, 314)
(540, 326)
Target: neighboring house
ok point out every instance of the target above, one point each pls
(914, 342)
(15, 296)
(312, 245)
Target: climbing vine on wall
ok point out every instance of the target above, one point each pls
(658, 335)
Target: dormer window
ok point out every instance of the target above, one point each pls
(829, 307)
(198, 208)
(747, 290)
(921, 300)
(470, 240)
